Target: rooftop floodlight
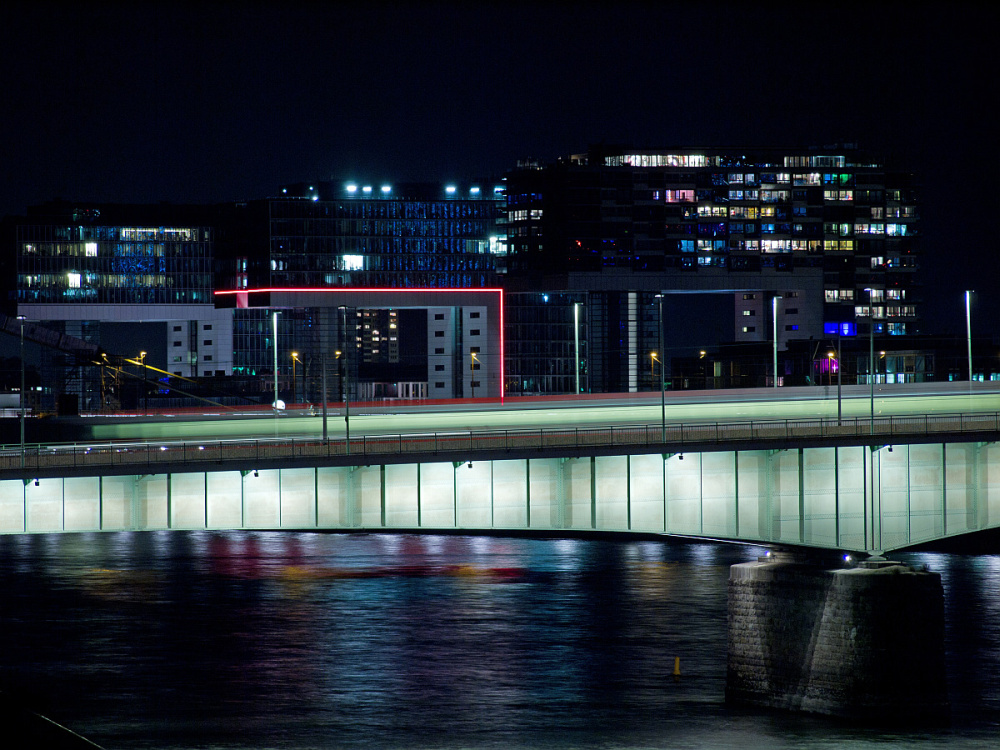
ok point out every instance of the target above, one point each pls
(387, 188)
(450, 189)
(474, 190)
(352, 188)
(366, 189)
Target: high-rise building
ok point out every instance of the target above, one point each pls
(804, 244)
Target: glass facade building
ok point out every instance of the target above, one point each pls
(370, 237)
(134, 281)
(114, 264)
(831, 235)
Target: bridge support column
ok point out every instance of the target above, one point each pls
(863, 643)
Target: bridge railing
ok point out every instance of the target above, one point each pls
(669, 436)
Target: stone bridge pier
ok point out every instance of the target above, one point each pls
(863, 643)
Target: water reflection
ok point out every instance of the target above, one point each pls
(178, 639)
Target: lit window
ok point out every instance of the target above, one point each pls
(90, 249)
(679, 196)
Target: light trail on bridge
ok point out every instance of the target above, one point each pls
(561, 413)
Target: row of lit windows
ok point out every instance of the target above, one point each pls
(660, 160)
(753, 212)
(842, 230)
(116, 250)
(890, 311)
(860, 197)
(126, 295)
(381, 228)
(796, 179)
(889, 230)
(815, 161)
(53, 233)
(385, 209)
(524, 214)
(396, 263)
(77, 280)
(384, 245)
(104, 266)
(795, 246)
(875, 295)
(412, 280)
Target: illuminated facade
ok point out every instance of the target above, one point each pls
(129, 279)
(114, 265)
(831, 235)
(370, 237)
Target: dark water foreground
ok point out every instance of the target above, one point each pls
(260, 640)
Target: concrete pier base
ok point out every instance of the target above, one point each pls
(864, 643)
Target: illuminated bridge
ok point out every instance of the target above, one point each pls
(907, 465)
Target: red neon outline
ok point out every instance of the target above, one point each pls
(383, 290)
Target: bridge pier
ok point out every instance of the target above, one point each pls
(863, 643)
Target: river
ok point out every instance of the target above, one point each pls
(304, 640)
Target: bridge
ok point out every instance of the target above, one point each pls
(916, 464)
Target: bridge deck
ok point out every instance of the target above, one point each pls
(129, 457)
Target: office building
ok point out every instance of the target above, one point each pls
(133, 280)
(401, 279)
(803, 244)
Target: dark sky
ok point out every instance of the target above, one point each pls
(151, 101)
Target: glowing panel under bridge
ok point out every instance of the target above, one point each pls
(852, 498)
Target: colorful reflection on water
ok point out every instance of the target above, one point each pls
(248, 640)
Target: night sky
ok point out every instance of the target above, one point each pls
(218, 101)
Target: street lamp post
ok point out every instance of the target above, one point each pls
(274, 326)
(21, 319)
(323, 363)
(871, 370)
(871, 358)
(145, 392)
(968, 329)
(295, 358)
(663, 397)
(576, 344)
(840, 369)
(343, 381)
(774, 325)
